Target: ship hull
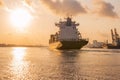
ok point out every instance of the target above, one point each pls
(110, 46)
(68, 44)
(113, 47)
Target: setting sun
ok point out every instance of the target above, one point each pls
(20, 18)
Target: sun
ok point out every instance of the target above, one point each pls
(20, 18)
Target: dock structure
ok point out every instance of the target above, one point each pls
(115, 37)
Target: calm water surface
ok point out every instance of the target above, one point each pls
(44, 64)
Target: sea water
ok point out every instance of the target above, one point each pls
(41, 63)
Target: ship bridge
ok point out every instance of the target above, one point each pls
(68, 22)
(68, 30)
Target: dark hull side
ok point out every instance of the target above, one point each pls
(110, 46)
(68, 44)
(113, 47)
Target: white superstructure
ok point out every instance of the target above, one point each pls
(68, 30)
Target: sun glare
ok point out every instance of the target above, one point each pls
(19, 53)
(20, 18)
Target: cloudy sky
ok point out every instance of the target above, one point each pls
(96, 18)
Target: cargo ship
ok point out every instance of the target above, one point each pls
(68, 36)
(115, 40)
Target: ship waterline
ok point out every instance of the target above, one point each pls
(68, 44)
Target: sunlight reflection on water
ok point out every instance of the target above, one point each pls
(18, 66)
(20, 63)
(19, 53)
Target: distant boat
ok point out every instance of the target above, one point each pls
(115, 41)
(68, 36)
(111, 46)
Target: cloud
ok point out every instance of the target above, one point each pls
(1, 3)
(64, 7)
(28, 2)
(33, 6)
(104, 9)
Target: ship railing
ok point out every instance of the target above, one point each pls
(53, 40)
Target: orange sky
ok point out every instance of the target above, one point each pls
(96, 18)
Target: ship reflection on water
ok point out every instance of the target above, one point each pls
(44, 64)
(67, 64)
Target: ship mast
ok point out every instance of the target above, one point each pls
(69, 21)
